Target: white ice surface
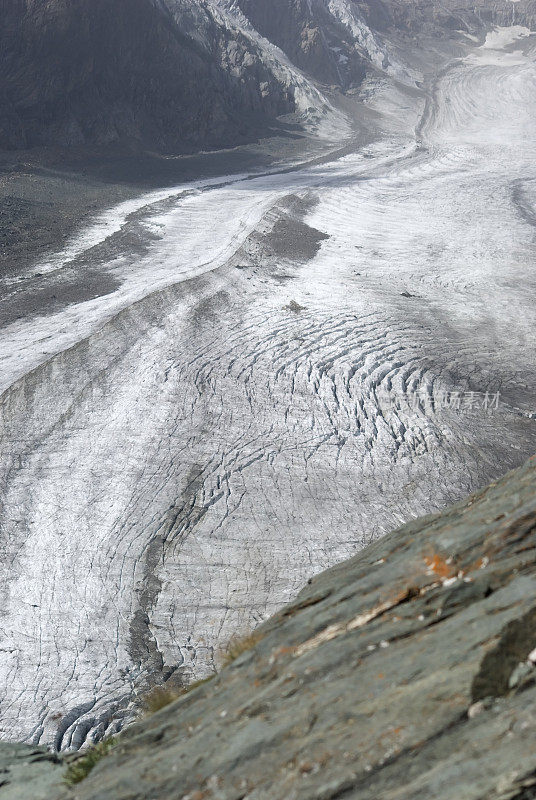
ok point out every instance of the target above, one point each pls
(198, 234)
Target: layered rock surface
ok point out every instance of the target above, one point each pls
(408, 671)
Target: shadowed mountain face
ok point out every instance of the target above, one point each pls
(311, 37)
(181, 75)
(172, 75)
(406, 672)
(88, 71)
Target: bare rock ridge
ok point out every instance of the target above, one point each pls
(407, 671)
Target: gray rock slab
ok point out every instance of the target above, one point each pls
(388, 677)
(29, 772)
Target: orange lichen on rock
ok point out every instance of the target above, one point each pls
(440, 566)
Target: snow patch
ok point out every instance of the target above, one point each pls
(499, 38)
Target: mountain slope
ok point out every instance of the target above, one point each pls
(130, 73)
(172, 75)
(182, 75)
(310, 36)
(445, 18)
(408, 671)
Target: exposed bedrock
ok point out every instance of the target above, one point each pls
(312, 38)
(408, 671)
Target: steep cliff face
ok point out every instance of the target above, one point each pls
(406, 672)
(329, 39)
(84, 72)
(310, 36)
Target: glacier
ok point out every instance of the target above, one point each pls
(269, 387)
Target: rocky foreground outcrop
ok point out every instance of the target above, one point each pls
(406, 672)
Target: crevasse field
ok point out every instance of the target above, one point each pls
(287, 366)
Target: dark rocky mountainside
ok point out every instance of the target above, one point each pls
(90, 72)
(310, 36)
(182, 75)
(405, 672)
